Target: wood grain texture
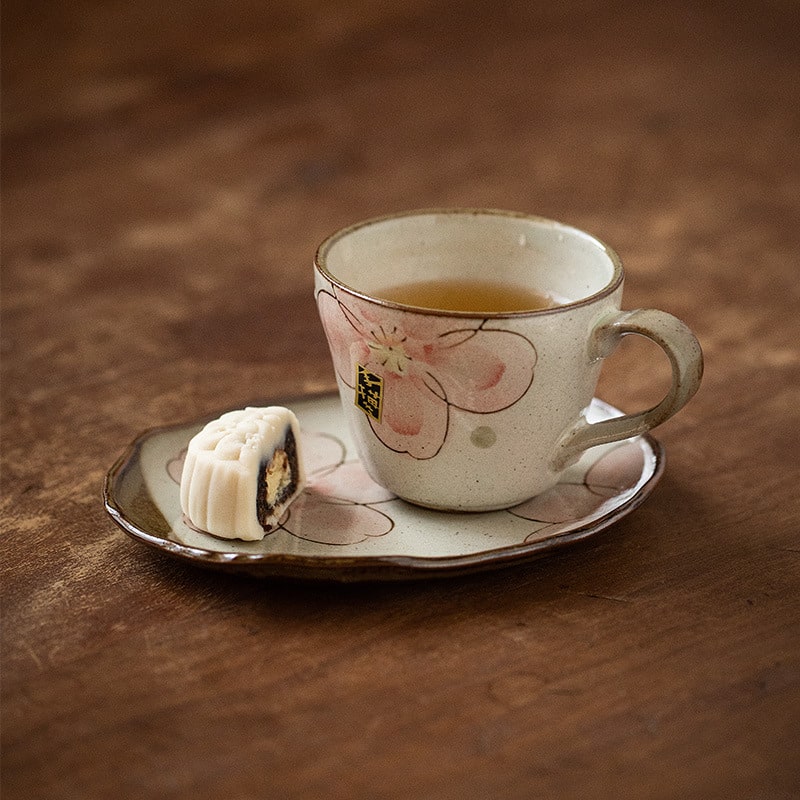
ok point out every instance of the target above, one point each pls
(167, 172)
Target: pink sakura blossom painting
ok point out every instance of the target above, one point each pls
(429, 365)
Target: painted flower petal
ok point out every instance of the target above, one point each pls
(414, 420)
(314, 519)
(351, 483)
(175, 466)
(321, 453)
(617, 470)
(346, 337)
(562, 503)
(488, 371)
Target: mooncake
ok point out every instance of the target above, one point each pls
(242, 471)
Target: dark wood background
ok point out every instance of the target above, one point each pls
(167, 172)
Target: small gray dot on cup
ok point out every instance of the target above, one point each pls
(483, 436)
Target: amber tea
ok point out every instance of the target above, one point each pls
(462, 294)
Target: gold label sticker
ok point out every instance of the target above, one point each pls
(369, 392)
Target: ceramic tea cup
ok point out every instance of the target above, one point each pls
(467, 346)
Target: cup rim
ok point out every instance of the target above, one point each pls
(322, 251)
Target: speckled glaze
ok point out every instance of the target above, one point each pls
(475, 412)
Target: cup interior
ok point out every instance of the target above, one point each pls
(505, 247)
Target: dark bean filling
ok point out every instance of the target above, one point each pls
(284, 460)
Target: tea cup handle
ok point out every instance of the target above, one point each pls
(686, 358)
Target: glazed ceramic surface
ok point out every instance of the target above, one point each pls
(481, 411)
(346, 527)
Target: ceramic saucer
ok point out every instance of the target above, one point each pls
(346, 527)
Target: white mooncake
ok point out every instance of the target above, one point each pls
(242, 471)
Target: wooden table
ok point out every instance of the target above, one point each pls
(168, 170)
